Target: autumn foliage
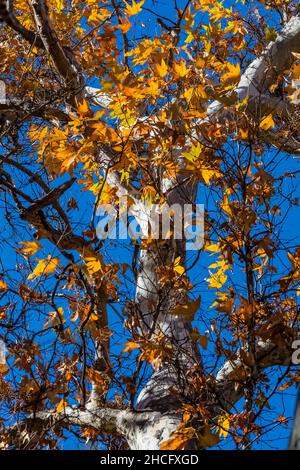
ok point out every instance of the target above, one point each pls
(115, 98)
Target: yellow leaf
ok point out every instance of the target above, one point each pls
(177, 267)
(161, 69)
(267, 122)
(214, 247)
(59, 5)
(179, 69)
(188, 94)
(3, 285)
(207, 174)
(224, 424)
(201, 93)
(62, 405)
(56, 318)
(44, 266)
(233, 74)
(226, 206)
(149, 194)
(30, 248)
(194, 152)
(94, 264)
(134, 8)
(218, 278)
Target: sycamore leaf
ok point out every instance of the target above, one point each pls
(179, 69)
(217, 280)
(177, 267)
(194, 152)
(188, 94)
(207, 438)
(208, 174)
(196, 336)
(56, 318)
(233, 74)
(179, 440)
(84, 109)
(44, 266)
(3, 285)
(130, 346)
(96, 377)
(267, 123)
(93, 264)
(62, 405)
(3, 369)
(224, 424)
(72, 204)
(125, 26)
(271, 34)
(225, 205)
(59, 5)
(213, 247)
(134, 8)
(243, 134)
(149, 194)
(161, 69)
(30, 248)
(188, 310)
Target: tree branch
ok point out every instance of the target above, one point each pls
(106, 420)
(62, 58)
(256, 81)
(233, 374)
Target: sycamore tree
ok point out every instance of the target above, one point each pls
(140, 343)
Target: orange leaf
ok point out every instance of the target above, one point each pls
(62, 405)
(134, 8)
(188, 310)
(30, 248)
(179, 440)
(3, 286)
(84, 109)
(131, 345)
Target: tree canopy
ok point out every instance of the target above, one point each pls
(141, 343)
